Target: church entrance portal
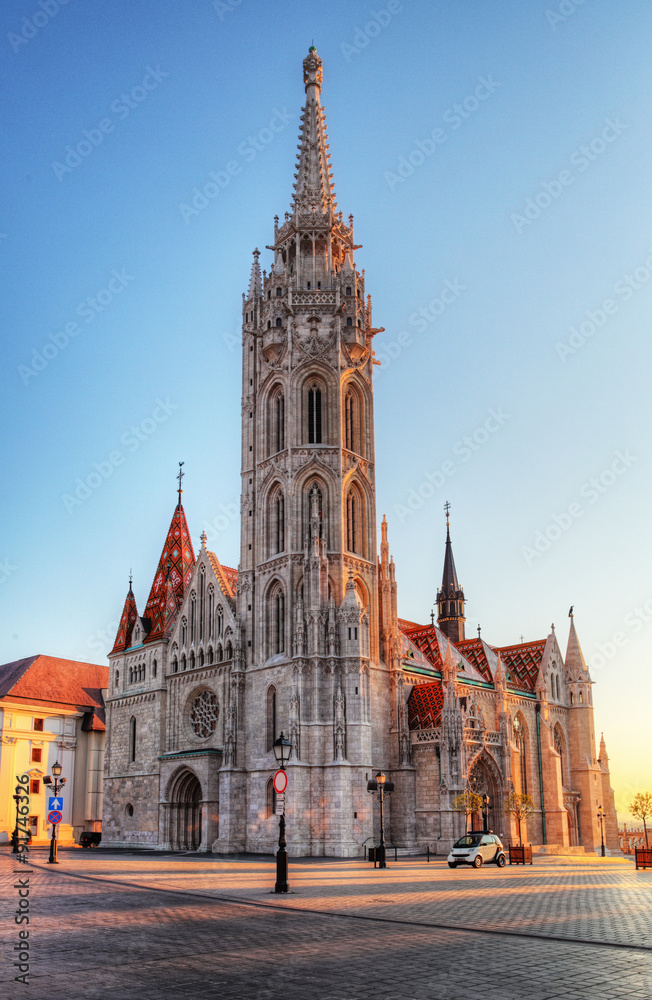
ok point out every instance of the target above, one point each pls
(185, 813)
(481, 781)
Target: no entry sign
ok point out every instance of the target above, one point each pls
(55, 817)
(280, 782)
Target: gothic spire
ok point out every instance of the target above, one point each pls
(255, 280)
(450, 597)
(449, 577)
(313, 188)
(575, 663)
(172, 575)
(127, 622)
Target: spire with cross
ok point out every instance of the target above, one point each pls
(180, 478)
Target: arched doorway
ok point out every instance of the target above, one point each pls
(483, 780)
(185, 812)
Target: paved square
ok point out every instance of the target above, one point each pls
(124, 926)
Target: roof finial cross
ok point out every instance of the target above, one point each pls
(203, 538)
(479, 631)
(131, 577)
(447, 508)
(180, 478)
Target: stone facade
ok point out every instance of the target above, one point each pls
(305, 638)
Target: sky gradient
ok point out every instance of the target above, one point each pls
(496, 157)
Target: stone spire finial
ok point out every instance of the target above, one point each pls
(313, 188)
(255, 280)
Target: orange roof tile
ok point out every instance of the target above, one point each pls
(49, 679)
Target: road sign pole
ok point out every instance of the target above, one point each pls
(52, 860)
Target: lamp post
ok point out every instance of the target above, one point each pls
(282, 752)
(14, 836)
(601, 816)
(381, 787)
(485, 812)
(56, 782)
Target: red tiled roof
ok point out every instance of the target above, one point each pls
(425, 705)
(127, 622)
(522, 662)
(424, 638)
(172, 577)
(49, 679)
(227, 576)
(474, 652)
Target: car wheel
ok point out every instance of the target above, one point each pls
(477, 861)
(452, 864)
(500, 860)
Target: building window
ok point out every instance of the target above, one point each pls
(38, 725)
(353, 513)
(154, 668)
(33, 826)
(521, 748)
(279, 321)
(202, 586)
(220, 621)
(229, 651)
(314, 414)
(279, 422)
(278, 621)
(204, 714)
(117, 679)
(271, 716)
(351, 433)
(193, 617)
(209, 655)
(132, 739)
(211, 611)
(175, 665)
(192, 661)
(35, 787)
(36, 755)
(277, 522)
(220, 654)
(184, 632)
(560, 748)
(129, 810)
(348, 289)
(278, 293)
(349, 321)
(270, 799)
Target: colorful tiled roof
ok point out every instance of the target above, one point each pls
(127, 622)
(425, 705)
(521, 663)
(51, 680)
(474, 651)
(227, 576)
(424, 638)
(172, 577)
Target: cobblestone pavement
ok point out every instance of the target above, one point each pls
(103, 938)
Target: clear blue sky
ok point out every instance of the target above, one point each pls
(497, 152)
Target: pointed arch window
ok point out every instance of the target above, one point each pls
(202, 587)
(521, 750)
(277, 522)
(276, 422)
(132, 738)
(270, 799)
(184, 632)
(354, 521)
(211, 611)
(314, 414)
(229, 651)
(560, 747)
(220, 620)
(193, 617)
(350, 429)
(271, 716)
(276, 620)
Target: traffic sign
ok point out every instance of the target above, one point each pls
(280, 782)
(55, 802)
(280, 805)
(55, 817)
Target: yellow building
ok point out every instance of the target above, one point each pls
(52, 709)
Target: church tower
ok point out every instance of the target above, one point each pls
(308, 584)
(450, 596)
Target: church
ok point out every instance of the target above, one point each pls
(304, 636)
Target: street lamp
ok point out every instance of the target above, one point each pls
(382, 787)
(601, 816)
(56, 782)
(282, 752)
(485, 812)
(14, 836)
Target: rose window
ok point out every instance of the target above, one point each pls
(203, 714)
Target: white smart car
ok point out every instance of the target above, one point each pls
(477, 849)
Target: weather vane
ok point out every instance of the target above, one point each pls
(180, 478)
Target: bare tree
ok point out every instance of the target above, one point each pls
(641, 807)
(520, 807)
(468, 803)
